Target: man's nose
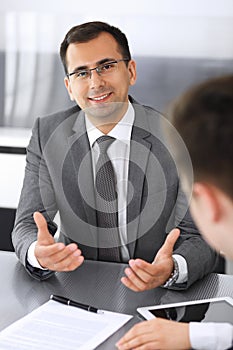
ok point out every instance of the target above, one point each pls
(95, 79)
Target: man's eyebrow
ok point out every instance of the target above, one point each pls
(104, 60)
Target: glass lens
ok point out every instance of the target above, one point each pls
(107, 68)
(82, 74)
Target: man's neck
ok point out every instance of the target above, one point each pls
(106, 124)
(105, 129)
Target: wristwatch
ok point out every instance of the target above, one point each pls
(174, 275)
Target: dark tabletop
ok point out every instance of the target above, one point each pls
(94, 283)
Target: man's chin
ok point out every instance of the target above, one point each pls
(103, 111)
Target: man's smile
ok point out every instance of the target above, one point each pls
(100, 98)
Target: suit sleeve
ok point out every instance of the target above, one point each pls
(37, 195)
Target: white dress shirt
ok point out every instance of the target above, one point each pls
(210, 336)
(118, 153)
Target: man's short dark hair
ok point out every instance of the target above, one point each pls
(91, 30)
(203, 116)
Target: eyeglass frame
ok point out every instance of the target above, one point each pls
(97, 67)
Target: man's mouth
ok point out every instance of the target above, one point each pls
(100, 98)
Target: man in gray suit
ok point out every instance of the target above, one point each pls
(62, 165)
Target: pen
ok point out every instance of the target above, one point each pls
(67, 301)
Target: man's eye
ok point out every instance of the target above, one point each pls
(107, 66)
(82, 74)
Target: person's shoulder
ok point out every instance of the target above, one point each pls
(60, 123)
(147, 109)
(56, 118)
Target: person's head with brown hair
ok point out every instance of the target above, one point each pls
(99, 71)
(203, 116)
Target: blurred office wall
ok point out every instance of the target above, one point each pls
(175, 44)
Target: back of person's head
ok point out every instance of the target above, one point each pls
(203, 116)
(91, 30)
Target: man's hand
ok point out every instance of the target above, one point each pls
(156, 334)
(51, 255)
(142, 275)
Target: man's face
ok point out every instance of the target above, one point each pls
(96, 93)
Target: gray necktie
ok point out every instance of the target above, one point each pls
(106, 204)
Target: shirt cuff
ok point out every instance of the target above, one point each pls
(183, 268)
(210, 335)
(32, 260)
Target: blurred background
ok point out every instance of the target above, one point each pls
(175, 44)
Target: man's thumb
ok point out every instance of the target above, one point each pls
(43, 232)
(168, 246)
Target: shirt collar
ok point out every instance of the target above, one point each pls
(121, 131)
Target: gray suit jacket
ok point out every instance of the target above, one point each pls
(59, 177)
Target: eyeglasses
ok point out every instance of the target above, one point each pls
(102, 69)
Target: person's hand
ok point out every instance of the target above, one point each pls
(156, 334)
(142, 275)
(51, 255)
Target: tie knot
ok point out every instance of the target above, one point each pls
(104, 142)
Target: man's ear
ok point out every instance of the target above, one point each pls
(132, 72)
(205, 199)
(68, 87)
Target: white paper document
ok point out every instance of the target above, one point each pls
(57, 326)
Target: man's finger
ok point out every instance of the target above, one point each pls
(129, 284)
(40, 221)
(44, 235)
(168, 246)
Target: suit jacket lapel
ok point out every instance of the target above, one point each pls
(139, 152)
